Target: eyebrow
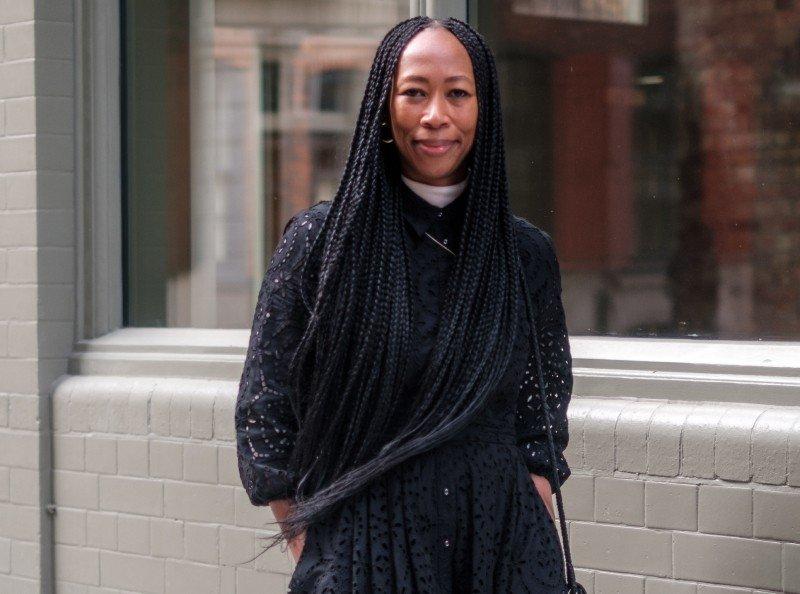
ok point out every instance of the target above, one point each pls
(418, 78)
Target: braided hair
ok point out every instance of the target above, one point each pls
(347, 372)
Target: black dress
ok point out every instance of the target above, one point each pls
(464, 517)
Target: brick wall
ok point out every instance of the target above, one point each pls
(36, 272)
(665, 496)
(148, 491)
(672, 496)
(740, 62)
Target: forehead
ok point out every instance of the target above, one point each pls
(434, 51)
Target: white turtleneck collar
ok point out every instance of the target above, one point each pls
(439, 196)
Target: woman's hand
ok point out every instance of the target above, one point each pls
(296, 545)
(543, 487)
(280, 509)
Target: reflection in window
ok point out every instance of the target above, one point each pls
(616, 11)
(662, 156)
(270, 84)
(336, 90)
(238, 113)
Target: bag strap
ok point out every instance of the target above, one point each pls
(570, 577)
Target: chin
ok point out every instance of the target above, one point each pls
(438, 172)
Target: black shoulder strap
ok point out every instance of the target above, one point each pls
(572, 585)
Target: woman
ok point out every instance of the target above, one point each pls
(387, 410)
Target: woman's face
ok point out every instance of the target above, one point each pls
(433, 108)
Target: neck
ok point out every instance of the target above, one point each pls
(439, 196)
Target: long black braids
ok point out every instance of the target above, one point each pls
(347, 372)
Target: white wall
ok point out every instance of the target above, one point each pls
(665, 496)
(36, 272)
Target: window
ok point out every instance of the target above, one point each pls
(658, 145)
(237, 114)
(336, 90)
(270, 83)
(655, 142)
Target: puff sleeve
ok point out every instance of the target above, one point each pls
(266, 426)
(544, 281)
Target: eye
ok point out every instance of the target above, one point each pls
(464, 93)
(411, 91)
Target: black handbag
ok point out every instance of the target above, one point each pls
(573, 587)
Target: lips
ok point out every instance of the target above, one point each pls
(434, 147)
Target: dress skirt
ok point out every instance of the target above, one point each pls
(462, 518)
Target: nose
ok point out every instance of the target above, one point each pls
(436, 113)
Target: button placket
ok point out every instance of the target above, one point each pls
(446, 541)
(446, 511)
(440, 537)
(447, 507)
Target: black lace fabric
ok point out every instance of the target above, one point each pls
(556, 362)
(463, 517)
(265, 423)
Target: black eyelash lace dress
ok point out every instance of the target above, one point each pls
(464, 517)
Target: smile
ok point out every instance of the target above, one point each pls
(434, 148)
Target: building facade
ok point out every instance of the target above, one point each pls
(151, 152)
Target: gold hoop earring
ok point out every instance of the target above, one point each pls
(383, 140)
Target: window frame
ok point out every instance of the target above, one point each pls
(755, 371)
(98, 168)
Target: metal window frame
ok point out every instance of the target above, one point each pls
(98, 172)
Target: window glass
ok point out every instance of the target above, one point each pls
(236, 114)
(658, 143)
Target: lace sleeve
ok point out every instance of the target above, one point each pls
(544, 281)
(266, 426)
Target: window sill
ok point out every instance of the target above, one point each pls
(764, 372)
(163, 352)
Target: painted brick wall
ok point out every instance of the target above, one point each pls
(674, 496)
(148, 492)
(36, 271)
(665, 496)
